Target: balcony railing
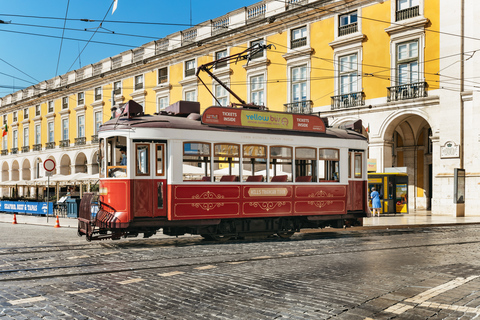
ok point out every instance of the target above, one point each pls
(302, 107)
(189, 72)
(80, 141)
(4, 152)
(14, 151)
(347, 29)
(95, 138)
(37, 147)
(348, 100)
(256, 11)
(50, 145)
(65, 143)
(25, 149)
(407, 13)
(407, 91)
(139, 86)
(298, 43)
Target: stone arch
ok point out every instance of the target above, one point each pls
(65, 165)
(80, 163)
(94, 162)
(5, 169)
(15, 171)
(26, 170)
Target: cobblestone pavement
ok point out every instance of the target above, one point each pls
(422, 273)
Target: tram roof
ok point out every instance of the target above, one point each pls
(193, 122)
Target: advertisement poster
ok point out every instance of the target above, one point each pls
(401, 198)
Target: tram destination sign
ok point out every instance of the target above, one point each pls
(262, 119)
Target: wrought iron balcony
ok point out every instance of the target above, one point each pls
(407, 13)
(407, 91)
(189, 72)
(298, 43)
(50, 145)
(14, 151)
(95, 138)
(4, 152)
(348, 100)
(347, 29)
(37, 147)
(302, 107)
(25, 149)
(65, 143)
(80, 141)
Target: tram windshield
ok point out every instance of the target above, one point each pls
(113, 157)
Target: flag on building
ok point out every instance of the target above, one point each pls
(5, 131)
(115, 2)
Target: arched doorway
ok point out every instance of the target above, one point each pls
(81, 163)
(411, 152)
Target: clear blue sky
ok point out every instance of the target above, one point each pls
(36, 56)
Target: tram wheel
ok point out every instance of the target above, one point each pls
(216, 237)
(285, 234)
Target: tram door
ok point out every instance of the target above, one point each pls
(150, 183)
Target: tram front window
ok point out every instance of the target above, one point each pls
(196, 161)
(115, 157)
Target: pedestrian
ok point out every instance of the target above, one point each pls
(123, 156)
(375, 202)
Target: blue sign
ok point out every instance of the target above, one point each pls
(26, 207)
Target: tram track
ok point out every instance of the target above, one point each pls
(222, 259)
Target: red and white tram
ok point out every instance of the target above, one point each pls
(226, 173)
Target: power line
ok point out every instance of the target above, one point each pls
(19, 71)
(61, 41)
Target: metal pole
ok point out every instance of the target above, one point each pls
(48, 196)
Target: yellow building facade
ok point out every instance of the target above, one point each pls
(372, 60)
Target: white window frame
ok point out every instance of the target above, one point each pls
(82, 94)
(139, 76)
(289, 38)
(38, 133)
(5, 142)
(80, 126)
(65, 131)
(51, 105)
(224, 98)
(50, 130)
(339, 72)
(25, 113)
(406, 37)
(15, 116)
(15, 139)
(158, 75)
(98, 120)
(393, 9)
(159, 105)
(216, 58)
(26, 139)
(303, 34)
(95, 94)
(121, 88)
(65, 102)
(291, 81)
(187, 91)
(251, 90)
(185, 67)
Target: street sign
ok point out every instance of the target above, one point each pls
(49, 165)
(48, 174)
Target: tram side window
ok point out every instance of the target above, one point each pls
(142, 162)
(196, 161)
(281, 162)
(226, 162)
(358, 165)
(328, 167)
(160, 155)
(306, 163)
(254, 163)
(116, 160)
(101, 157)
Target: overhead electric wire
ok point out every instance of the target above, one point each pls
(61, 41)
(19, 70)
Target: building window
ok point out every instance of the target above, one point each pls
(50, 106)
(117, 87)
(257, 44)
(25, 113)
(190, 68)
(37, 110)
(221, 94)
(257, 90)
(15, 139)
(25, 137)
(162, 103)
(51, 137)
(5, 142)
(98, 93)
(190, 95)
(15, 116)
(65, 103)
(348, 69)
(98, 121)
(4, 119)
(407, 9)
(163, 75)
(347, 23)
(298, 37)
(299, 83)
(220, 55)
(38, 134)
(64, 129)
(139, 82)
(81, 98)
(81, 126)
(407, 62)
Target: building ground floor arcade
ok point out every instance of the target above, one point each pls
(423, 137)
